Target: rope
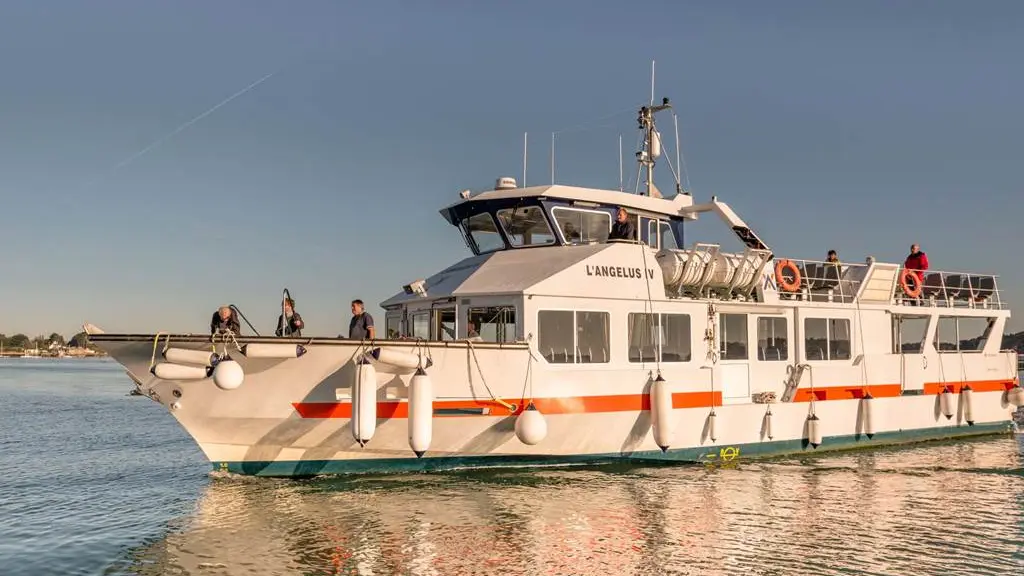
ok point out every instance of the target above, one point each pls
(472, 351)
(649, 305)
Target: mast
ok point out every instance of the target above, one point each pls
(651, 148)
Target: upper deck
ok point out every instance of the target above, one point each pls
(523, 238)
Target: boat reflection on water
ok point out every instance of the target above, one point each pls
(928, 509)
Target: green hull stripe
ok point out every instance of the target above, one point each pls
(720, 453)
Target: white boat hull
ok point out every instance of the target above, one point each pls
(292, 417)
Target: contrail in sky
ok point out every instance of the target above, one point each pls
(184, 126)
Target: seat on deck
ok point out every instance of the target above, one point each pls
(932, 287)
(983, 287)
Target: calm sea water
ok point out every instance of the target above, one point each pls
(96, 482)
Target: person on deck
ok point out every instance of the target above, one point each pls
(293, 326)
(225, 320)
(361, 325)
(917, 261)
(833, 257)
(623, 228)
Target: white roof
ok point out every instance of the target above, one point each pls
(675, 206)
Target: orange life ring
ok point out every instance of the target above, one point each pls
(780, 279)
(906, 278)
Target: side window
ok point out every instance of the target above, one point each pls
(908, 333)
(566, 337)
(772, 344)
(582, 226)
(675, 338)
(421, 325)
(444, 324)
(643, 337)
(827, 339)
(962, 333)
(666, 239)
(733, 337)
(556, 334)
(592, 340)
(492, 323)
(839, 339)
(393, 325)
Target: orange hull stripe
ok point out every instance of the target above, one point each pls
(976, 385)
(621, 402)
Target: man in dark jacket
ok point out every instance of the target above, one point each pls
(361, 325)
(289, 323)
(224, 319)
(623, 228)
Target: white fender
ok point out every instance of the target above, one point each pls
(946, 403)
(421, 412)
(711, 426)
(866, 406)
(228, 374)
(364, 403)
(195, 357)
(813, 430)
(262, 350)
(967, 400)
(661, 412)
(767, 425)
(1015, 396)
(399, 358)
(531, 427)
(169, 371)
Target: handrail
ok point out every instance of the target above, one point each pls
(242, 316)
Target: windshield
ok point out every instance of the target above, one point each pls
(484, 233)
(526, 226)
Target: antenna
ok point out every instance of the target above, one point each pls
(524, 159)
(620, 162)
(652, 82)
(552, 158)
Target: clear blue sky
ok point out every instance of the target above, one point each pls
(860, 126)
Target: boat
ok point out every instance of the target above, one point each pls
(553, 344)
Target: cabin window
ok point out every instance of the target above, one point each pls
(526, 226)
(659, 235)
(908, 333)
(421, 325)
(444, 324)
(772, 341)
(827, 339)
(582, 226)
(393, 325)
(567, 337)
(483, 232)
(492, 323)
(962, 333)
(733, 338)
(664, 334)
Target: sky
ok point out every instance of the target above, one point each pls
(858, 126)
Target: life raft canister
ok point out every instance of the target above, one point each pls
(780, 278)
(910, 282)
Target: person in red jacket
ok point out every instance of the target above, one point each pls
(917, 261)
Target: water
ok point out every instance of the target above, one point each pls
(95, 482)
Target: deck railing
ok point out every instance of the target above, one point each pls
(840, 282)
(953, 290)
(825, 281)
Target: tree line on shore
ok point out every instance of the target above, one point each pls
(24, 342)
